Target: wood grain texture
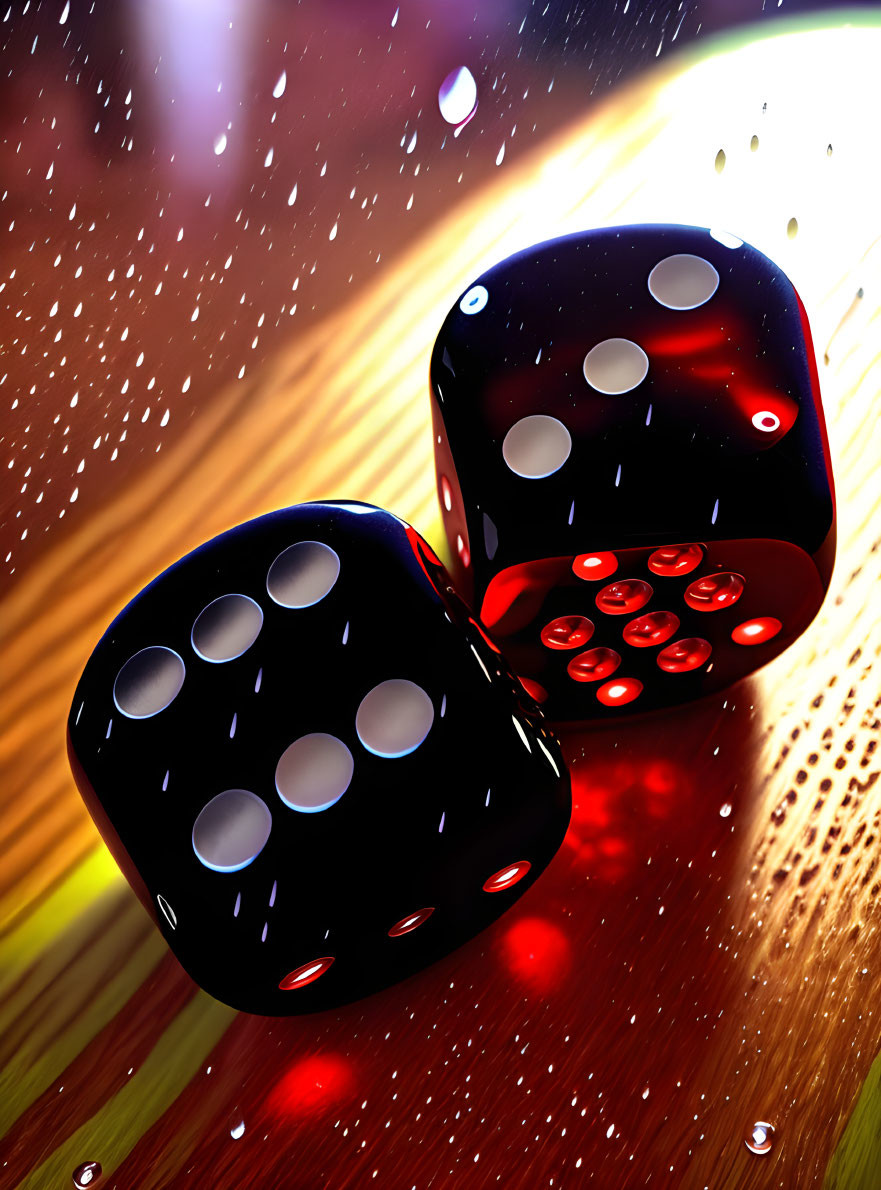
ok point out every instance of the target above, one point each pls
(702, 954)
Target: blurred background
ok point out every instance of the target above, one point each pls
(186, 186)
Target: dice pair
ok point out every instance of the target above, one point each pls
(308, 755)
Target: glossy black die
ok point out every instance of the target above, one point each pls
(311, 764)
(632, 464)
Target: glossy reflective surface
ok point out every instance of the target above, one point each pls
(701, 421)
(370, 806)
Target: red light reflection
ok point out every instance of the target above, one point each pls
(306, 973)
(537, 953)
(506, 877)
(312, 1086)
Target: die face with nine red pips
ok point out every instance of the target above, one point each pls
(632, 465)
(312, 764)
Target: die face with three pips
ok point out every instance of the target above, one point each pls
(311, 763)
(632, 465)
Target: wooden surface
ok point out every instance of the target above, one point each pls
(703, 952)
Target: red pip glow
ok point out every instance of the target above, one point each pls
(594, 566)
(507, 876)
(757, 631)
(306, 973)
(567, 632)
(411, 922)
(619, 691)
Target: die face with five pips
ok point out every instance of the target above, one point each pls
(632, 465)
(311, 763)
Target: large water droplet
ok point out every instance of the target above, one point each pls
(87, 1174)
(792, 228)
(760, 1138)
(720, 161)
(278, 89)
(237, 1130)
(457, 96)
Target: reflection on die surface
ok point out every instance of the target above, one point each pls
(313, 767)
(632, 464)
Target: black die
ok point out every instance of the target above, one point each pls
(632, 464)
(311, 764)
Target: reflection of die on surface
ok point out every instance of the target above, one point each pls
(313, 767)
(632, 464)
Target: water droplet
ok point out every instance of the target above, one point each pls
(87, 1174)
(720, 161)
(828, 150)
(760, 1138)
(792, 228)
(278, 89)
(292, 197)
(457, 96)
(238, 1130)
(754, 144)
(500, 156)
(219, 144)
(167, 912)
(725, 810)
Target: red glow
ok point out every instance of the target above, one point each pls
(506, 877)
(515, 595)
(685, 655)
(313, 1085)
(651, 629)
(619, 691)
(673, 560)
(767, 414)
(714, 591)
(492, 644)
(593, 665)
(685, 343)
(537, 953)
(756, 632)
(626, 595)
(594, 566)
(411, 922)
(567, 632)
(306, 973)
(534, 689)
